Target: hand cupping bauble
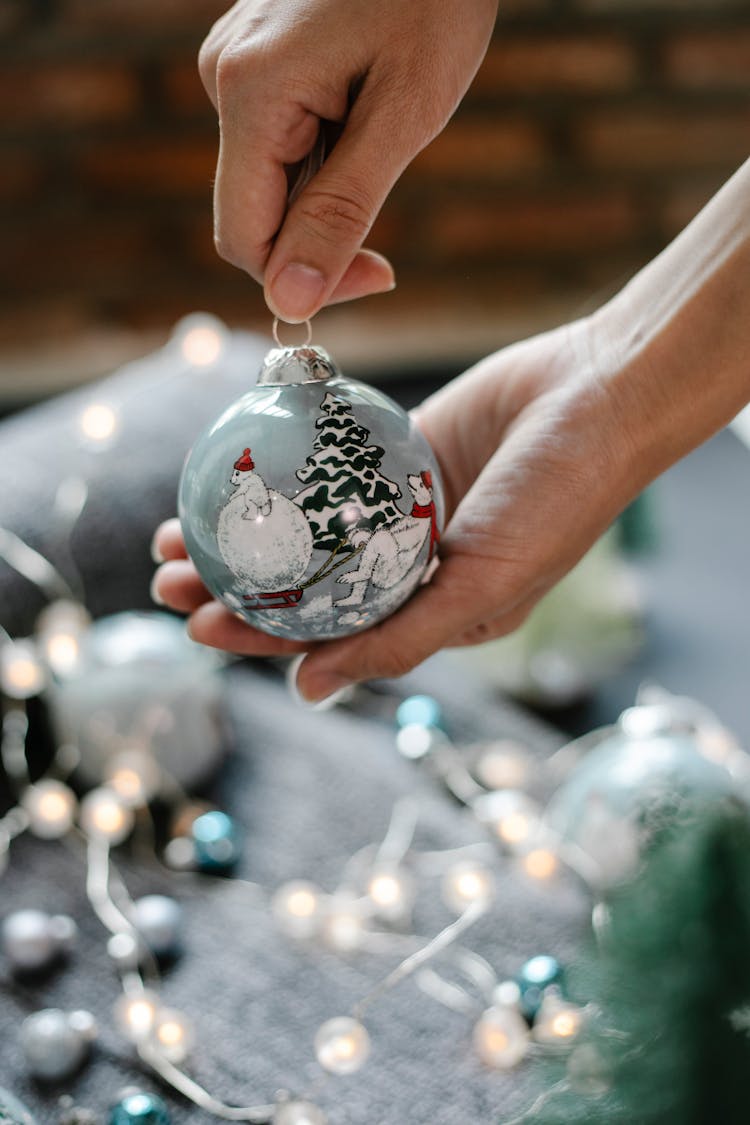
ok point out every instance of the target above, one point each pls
(312, 507)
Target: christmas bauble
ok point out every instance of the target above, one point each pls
(312, 507)
(636, 783)
(139, 684)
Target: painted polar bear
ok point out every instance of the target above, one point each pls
(390, 552)
(263, 536)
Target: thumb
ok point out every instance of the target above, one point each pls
(317, 253)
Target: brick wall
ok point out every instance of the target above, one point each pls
(593, 132)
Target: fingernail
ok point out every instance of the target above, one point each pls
(155, 595)
(156, 554)
(296, 292)
(324, 688)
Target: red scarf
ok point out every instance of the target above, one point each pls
(427, 511)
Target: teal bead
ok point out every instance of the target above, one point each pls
(13, 1112)
(139, 1109)
(420, 710)
(216, 841)
(535, 977)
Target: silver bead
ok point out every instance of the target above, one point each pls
(32, 940)
(158, 919)
(55, 1043)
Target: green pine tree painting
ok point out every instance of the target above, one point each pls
(345, 487)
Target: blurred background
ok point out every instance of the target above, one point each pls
(592, 134)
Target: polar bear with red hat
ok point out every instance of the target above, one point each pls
(263, 536)
(389, 553)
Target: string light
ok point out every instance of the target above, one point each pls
(51, 807)
(466, 883)
(172, 1034)
(501, 1037)
(21, 671)
(557, 1022)
(104, 816)
(134, 776)
(202, 339)
(343, 926)
(509, 814)
(299, 1113)
(296, 906)
(391, 891)
(342, 1045)
(503, 765)
(136, 1014)
(98, 423)
(540, 864)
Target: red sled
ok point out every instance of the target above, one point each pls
(281, 600)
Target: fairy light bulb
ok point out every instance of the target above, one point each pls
(298, 1113)
(503, 765)
(134, 776)
(51, 807)
(104, 816)
(342, 1045)
(136, 1015)
(60, 627)
(201, 339)
(21, 672)
(296, 906)
(509, 814)
(98, 423)
(557, 1022)
(172, 1034)
(391, 892)
(465, 884)
(501, 1038)
(343, 924)
(540, 864)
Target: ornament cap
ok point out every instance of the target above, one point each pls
(286, 366)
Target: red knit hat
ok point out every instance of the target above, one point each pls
(426, 478)
(245, 463)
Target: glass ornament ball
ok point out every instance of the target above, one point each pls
(215, 841)
(139, 1108)
(12, 1111)
(313, 506)
(33, 940)
(627, 791)
(536, 976)
(55, 1043)
(158, 920)
(140, 689)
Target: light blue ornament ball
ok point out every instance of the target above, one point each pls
(628, 790)
(12, 1111)
(313, 506)
(139, 1108)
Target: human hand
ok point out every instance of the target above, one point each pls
(535, 463)
(389, 74)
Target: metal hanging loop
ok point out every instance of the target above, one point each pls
(304, 344)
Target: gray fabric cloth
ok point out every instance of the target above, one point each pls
(309, 789)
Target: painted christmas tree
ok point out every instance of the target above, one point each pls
(345, 487)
